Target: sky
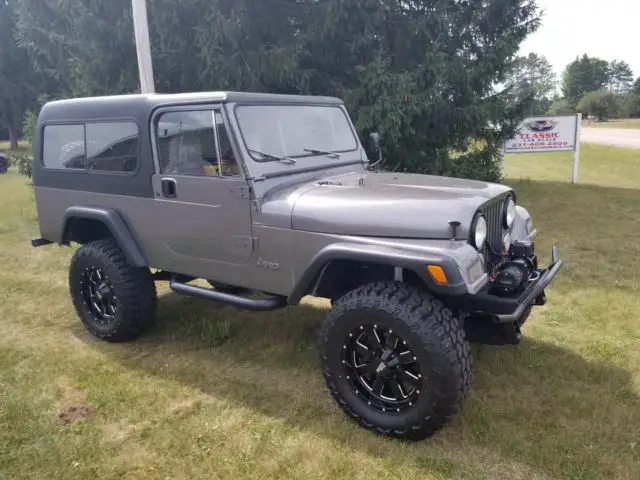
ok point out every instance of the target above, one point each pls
(607, 29)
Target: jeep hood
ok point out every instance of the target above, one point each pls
(390, 205)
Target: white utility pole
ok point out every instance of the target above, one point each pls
(576, 154)
(143, 45)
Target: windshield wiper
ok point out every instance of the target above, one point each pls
(322, 152)
(287, 160)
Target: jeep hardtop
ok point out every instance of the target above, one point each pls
(271, 198)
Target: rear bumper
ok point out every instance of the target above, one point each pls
(510, 309)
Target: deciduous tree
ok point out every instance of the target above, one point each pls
(532, 79)
(560, 107)
(602, 104)
(586, 74)
(620, 77)
(18, 85)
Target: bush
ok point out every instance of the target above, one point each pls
(29, 125)
(632, 107)
(23, 162)
(560, 107)
(600, 103)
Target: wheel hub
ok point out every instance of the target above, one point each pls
(98, 294)
(382, 368)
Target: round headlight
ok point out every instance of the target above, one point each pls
(479, 231)
(509, 212)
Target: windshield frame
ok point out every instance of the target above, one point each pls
(258, 159)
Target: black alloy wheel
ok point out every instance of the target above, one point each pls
(99, 295)
(114, 300)
(395, 359)
(382, 368)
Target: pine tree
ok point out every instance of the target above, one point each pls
(422, 73)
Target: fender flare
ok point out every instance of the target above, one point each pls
(116, 225)
(382, 255)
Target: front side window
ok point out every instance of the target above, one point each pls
(112, 146)
(195, 143)
(294, 130)
(63, 147)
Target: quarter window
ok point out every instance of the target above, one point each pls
(112, 147)
(99, 146)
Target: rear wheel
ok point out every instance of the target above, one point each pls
(395, 359)
(115, 301)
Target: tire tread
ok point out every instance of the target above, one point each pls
(137, 293)
(440, 331)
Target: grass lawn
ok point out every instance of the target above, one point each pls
(614, 123)
(4, 146)
(215, 392)
(600, 165)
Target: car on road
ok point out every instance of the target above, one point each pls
(4, 163)
(273, 198)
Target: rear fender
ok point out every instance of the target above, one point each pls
(113, 221)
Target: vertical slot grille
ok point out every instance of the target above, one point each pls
(493, 214)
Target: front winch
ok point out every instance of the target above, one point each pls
(519, 266)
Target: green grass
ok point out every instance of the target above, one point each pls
(614, 123)
(217, 392)
(601, 165)
(4, 146)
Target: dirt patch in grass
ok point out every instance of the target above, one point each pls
(74, 413)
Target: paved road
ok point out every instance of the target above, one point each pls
(629, 138)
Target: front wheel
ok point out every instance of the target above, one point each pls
(395, 359)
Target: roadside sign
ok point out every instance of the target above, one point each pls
(549, 134)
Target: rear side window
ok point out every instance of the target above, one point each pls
(112, 147)
(64, 147)
(98, 146)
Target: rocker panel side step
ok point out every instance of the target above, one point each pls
(271, 302)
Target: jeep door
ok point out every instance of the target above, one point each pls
(201, 195)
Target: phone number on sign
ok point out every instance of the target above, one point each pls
(522, 146)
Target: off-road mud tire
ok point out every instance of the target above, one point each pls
(435, 335)
(525, 316)
(134, 288)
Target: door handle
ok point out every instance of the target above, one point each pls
(168, 187)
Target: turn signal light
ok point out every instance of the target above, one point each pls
(438, 275)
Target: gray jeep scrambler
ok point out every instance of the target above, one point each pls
(272, 198)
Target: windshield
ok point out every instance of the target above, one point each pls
(294, 130)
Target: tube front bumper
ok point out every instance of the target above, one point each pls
(508, 309)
